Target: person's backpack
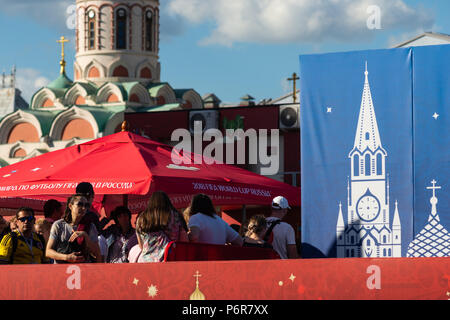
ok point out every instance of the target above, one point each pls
(268, 237)
(14, 240)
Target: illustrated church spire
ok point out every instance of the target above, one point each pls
(367, 134)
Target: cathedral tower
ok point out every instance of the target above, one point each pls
(117, 40)
(368, 232)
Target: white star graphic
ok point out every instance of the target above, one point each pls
(292, 277)
(329, 109)
(435, 116)
(152, 291)
(135, 281)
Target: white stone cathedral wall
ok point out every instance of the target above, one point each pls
(105, 25)
(106, 55)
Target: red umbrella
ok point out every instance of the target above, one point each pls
(128, 164)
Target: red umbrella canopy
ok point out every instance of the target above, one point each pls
(126, 163)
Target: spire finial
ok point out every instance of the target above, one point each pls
(125, 126)
(433, 201)
(366, 72)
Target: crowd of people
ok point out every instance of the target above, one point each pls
(75, 234)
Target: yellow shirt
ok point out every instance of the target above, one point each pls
(25, 253)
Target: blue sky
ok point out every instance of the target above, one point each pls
(227, 47)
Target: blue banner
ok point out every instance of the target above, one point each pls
(356, 147)
(375, 153)
(431, 105)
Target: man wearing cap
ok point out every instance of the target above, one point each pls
(283, 233)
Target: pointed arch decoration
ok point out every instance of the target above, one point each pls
(94, 69)
(68, 122)
(163, 94)
(109, 93)
(145, 70)
(139, 94)
(76, 95)
(27, 121)
(120, 71)
(45, 98)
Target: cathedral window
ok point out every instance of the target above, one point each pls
(80, 100)
(112, 98)
(368, 242)
(121, 29)
(120, 71)
(48, 103)
(23, 131)
(384, 252)
(367, 165)
(356, 165)
(78, 128)
(389, 252)
(134, 98)
(93, 73)
(379, 164)
(148, 31)
(19, 153)
(146, 73)
(91, 29)
(384, 239)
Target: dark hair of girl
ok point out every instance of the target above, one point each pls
(68, 213)
(201, 203)
(256, 224)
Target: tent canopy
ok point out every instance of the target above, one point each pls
(128, 164)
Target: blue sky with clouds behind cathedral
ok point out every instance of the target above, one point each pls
(229, 47)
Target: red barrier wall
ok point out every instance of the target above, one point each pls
(391, 278)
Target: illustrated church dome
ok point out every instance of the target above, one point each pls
(433, 240)
(197, 294)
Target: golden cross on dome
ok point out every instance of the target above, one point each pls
(294, 79)
(62, 40)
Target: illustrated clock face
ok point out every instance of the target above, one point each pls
(368, 208)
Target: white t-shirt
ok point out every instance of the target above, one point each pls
(283, 234)
(213, 230)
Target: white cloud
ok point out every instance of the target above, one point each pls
(29, 81)
(283, 21)
(51, 13)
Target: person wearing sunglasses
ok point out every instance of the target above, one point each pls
(23, 246)
(70, 241)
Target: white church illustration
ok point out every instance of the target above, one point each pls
(368, 232)
(433, 240)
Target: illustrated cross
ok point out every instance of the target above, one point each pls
(434, 188)
(197, 275)
(294, 79)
